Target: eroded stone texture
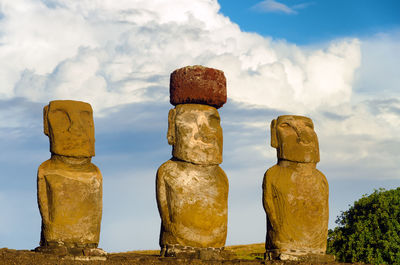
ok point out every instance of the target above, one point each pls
(70, 128)
(69, 185)
(195, 133)
(192, 190)
(192, 201)
(198, 84)
(295, 193)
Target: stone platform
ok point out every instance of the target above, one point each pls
(27, 257)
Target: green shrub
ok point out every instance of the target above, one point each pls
(369, 231)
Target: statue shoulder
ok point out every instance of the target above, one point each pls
(269, 174)
(96, 171)
(166, 168)
(44, 167)
(276, 173)
(222, 175)
(322, 177)
(272, 170)
(93, 167)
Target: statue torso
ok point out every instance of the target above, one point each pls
(70, 202)
(196, 198)
(296, 203)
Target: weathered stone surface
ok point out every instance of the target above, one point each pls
(69, 185)
(195, 133)
(198, 84)
(295, 139)
(70, 128)
(192, 190)
(184, 252)
(295, 193)
(299, 257)
(192, 201)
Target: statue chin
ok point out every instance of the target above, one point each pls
(301, 155)
(202, 155)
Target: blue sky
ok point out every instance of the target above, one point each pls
(334, 61)
(306, 22)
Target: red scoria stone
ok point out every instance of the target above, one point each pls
(198, 84)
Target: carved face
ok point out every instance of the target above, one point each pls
(196, 135)
(295, 139)
(69, 125)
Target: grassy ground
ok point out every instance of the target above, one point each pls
(145, 252)
(248, 252)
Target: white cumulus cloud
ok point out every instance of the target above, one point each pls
(111, 53)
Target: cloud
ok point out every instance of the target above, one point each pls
(272, 6)
(303, 5)
(379, 74)
(113, 53)
(363, 142)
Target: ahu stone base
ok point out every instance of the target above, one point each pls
(186, 252)
(74, 253)
(295, 255)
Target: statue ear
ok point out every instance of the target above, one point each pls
(171, 126)
(46, 120)
(274, 138)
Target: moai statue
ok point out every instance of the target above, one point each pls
(192, 190)
(295, 193)
(69, 185)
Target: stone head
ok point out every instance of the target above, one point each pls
(295, 139)
(195, 133)
(70, 128)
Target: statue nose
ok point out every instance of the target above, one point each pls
(75, 126)
(204, 134)
(303, 136)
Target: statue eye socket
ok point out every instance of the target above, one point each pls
(310, 125)
(86, 117)
(214, 121)
(284, 125)
(85, 114)
(60, 118)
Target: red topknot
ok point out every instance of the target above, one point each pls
(198, 84)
